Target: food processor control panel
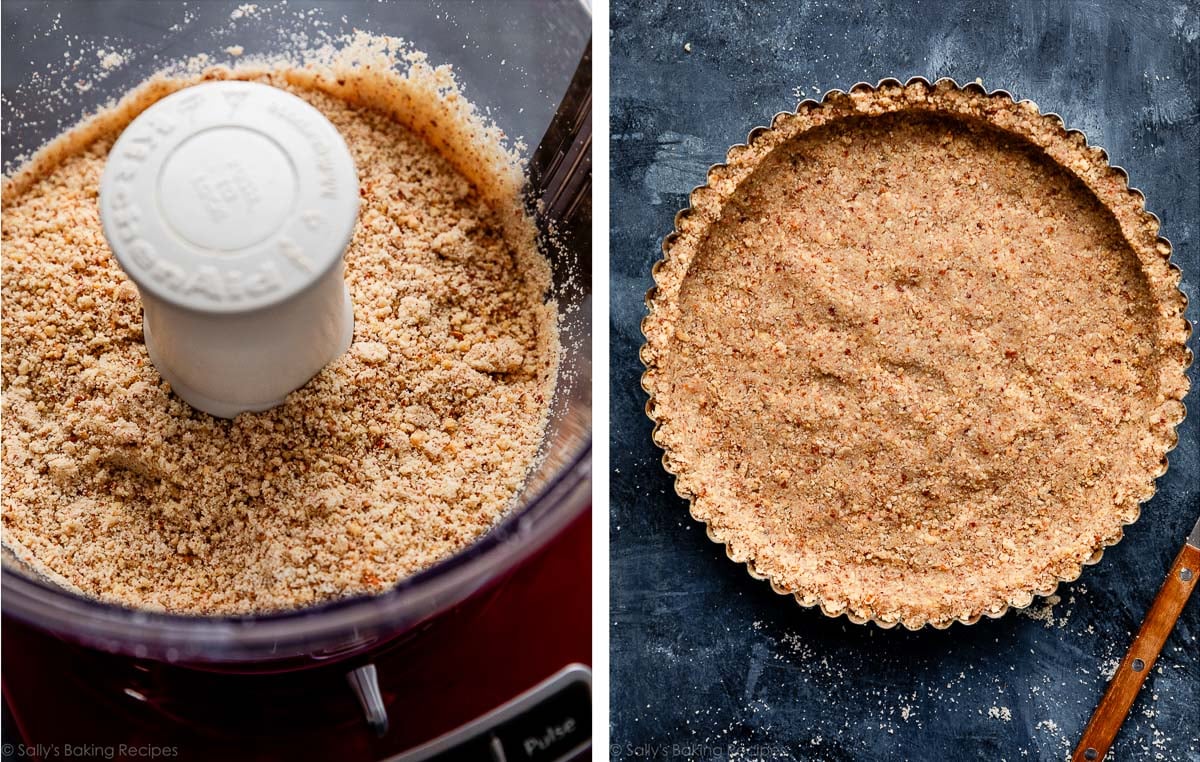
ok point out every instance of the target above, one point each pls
(551, 721)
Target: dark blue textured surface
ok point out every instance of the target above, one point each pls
(708, 663)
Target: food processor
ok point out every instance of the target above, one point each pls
(483, 655)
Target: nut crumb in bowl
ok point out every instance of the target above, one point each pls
(948, 361)
(397, 455)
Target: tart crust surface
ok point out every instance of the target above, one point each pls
(916, 353)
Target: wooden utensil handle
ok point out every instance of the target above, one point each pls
(1127, 681)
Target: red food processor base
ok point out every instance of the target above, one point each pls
(72, 702)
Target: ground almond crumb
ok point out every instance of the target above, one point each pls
(396, 455)
(915, 354)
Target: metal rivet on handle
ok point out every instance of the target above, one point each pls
(1091, 753)
(1138, 665)
(1185, 575)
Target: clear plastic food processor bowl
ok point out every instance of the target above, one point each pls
(515, 61)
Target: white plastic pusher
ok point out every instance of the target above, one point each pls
(230, 205)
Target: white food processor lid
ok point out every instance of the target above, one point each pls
(230, 204)
(228, 197)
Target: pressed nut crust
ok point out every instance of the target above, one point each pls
(395, 456)
(915, 354)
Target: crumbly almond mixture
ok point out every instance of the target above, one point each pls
(395, 456)
(909, 366)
